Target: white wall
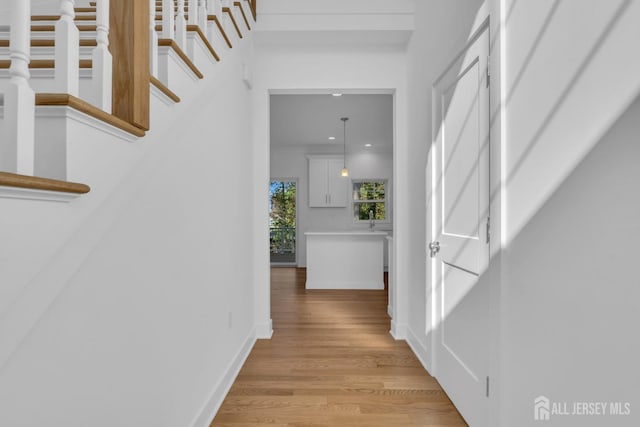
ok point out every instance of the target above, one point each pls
(149, 302)
(364, 165)
(569, 292)
(572, 289)
(563, 310)
(306, 68)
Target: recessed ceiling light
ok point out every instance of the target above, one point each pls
(336, 94)
(331, 138)
(368, 145)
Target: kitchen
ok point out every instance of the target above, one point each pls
(311, 145)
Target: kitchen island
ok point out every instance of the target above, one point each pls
(345, 259)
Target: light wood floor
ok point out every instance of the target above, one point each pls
(331, 362)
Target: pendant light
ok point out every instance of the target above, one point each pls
(345, 171)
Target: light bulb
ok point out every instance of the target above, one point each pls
(344, 172)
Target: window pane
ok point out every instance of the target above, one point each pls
(371, 190)
(361, 211)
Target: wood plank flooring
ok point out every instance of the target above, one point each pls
(331, 362)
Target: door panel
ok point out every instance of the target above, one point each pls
(460, 210)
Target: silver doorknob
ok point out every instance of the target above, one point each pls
(434, 248)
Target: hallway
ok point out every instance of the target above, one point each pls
(331, 362)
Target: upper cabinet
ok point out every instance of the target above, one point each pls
(327, 188)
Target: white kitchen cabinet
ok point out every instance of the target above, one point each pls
(327, 188)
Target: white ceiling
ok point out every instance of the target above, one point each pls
(307, 121)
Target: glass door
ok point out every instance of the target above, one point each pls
(282, 221)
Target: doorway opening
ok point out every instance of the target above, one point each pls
(282, 221)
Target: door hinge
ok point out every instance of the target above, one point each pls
(487, 387)
(488, 237)
(488, 70)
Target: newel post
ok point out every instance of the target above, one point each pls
(67, 50)
(102, 60)
(17, 136)
(131, 71)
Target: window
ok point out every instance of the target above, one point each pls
(370, 196)
(282, 221)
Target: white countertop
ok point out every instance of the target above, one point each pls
(347, 233)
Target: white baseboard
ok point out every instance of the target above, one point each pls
(419, 350)
(398, 330)
(264, 330)
(219, 392)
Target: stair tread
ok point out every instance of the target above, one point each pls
(63, 99)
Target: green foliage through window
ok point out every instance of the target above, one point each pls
(282, 216)
(369, 198)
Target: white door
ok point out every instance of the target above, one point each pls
(460, 246)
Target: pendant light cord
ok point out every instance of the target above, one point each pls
(344, 140)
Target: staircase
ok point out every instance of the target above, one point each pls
(72, 165)
(57, 70)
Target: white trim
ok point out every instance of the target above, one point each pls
(193, 40)
(398, 330)
(63, 111)
(33, 194)
(418, 349)
(169, 53)
(264, 330)
(220, 390)
(162, 97)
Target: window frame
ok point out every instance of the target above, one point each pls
(385, 201)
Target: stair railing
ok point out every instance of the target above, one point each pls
(153, 39)
(168, 19)
(17, 129)
(193, 12)
(202, 15)
(181, 26)
(67, 50)
(101, 58)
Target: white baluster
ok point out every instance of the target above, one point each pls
(181, 27)
(17, 132)
(153, 40)
(211, 30)
(67, 56)
(193, 12)
(202, 15)
(168, 14)
(214, 7)
(102, 60)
